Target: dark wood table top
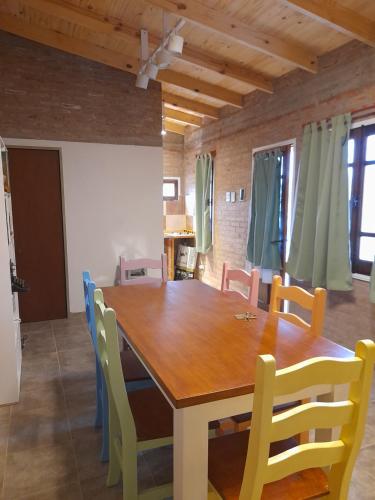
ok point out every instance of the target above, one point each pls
(186, 334)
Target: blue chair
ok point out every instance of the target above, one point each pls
(135, 375)
(101, 417)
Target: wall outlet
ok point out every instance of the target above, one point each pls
(242, 194)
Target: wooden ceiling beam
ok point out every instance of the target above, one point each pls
(66, 43)
(174, 127)
(200, 87)
(106, 56)
(338, 17)
(181, 116)
(116, 29)
(231, 27)
(190, 105)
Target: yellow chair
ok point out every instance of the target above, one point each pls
(266, 463)
(315, 303)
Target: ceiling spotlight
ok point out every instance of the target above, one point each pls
(152, 70)
(163, 59)
(176, 44)
(142, 81)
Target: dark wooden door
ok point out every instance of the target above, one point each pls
(38, 231)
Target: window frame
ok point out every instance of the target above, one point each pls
(212, 195)
(360, 135)
(174, 181)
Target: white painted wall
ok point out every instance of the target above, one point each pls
(113, 206)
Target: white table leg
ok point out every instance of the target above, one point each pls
(339, 393)
(190, 454)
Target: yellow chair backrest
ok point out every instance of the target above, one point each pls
(350, 415)
(315, 303)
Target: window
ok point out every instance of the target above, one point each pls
(361, 171)
(211, 198)
(170, 189)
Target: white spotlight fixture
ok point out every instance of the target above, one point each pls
(176, 44)
(163, 131)
(152, 70)
(142, 81)
(171, 44)
(163, 59)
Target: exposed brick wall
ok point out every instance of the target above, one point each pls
(345, 82)
(49, 94)
(173, 166)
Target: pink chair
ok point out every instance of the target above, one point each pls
(250, 280)
(131, 265)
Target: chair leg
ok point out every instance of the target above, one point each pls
(114, 468)
(105, 426)
(129, 473)
(99, 389)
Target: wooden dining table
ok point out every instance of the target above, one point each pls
(203, 359)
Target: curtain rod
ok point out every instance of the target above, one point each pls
(212, 153)
(357, 114)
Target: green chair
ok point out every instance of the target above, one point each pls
(138, 420)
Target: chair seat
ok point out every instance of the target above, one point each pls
(132, 368)
(153, 416)
(245, 417)
(226, 463)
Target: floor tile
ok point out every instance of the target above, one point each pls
(160, 462)
(38, 343)
(48, 394)
(39, 369)
(33, 470)
(96, 489)
(362, 483)
(5, 414)
(74, 319)
(77, 361)
(72, 338)
(87, 447)
(71, 491)
(38, 427)
(77, 368)
(37, 326)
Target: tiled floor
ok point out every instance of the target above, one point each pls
(48, 447)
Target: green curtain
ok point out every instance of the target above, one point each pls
(203, 179)
(263, 245)
(372, 284)
(319, 250)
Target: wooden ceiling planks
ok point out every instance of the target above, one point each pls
(341, 18)
(223, 67)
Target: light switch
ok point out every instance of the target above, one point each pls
(242, 194)
(233, 196)
(227, 196)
